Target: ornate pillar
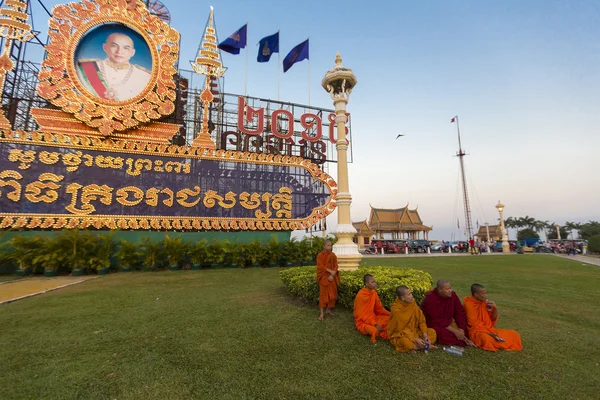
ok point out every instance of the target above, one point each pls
(505, 245)
(339, 83)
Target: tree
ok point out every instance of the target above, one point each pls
(511, 222)
(528, 222)
(564, 234)
(527, 233)
(589, 229)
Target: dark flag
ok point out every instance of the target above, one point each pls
(235, 42)
(297, 54)
(267, 46)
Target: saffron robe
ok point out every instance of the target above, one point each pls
(441, 312)
(368, 312)
(480, 324)
(407, 323)
(327, 289)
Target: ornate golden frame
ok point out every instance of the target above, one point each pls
(59, 82)
(143, 222)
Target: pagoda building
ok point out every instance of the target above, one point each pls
(494, 230)
(400, 223)
(363, 234)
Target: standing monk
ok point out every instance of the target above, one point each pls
(328, 278)
(444, 313)
(370, 317)
(482, 315)
(407, 329)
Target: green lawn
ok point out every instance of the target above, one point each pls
(235, 334)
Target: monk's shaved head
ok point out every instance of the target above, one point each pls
(441, 283)
(444, 288)
(367, 278)
(402, 291)
(476, 288)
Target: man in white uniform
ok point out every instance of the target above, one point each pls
(114, 78)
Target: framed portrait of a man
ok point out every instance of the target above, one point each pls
(113, 62)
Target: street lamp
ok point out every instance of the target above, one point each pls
(487, 232)
(339, 83)
(505, 246)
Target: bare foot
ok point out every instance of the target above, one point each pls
(330, 313)
(432, 347)
(321, 317)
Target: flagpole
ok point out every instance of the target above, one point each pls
(278, 67)
(246, 71)
(308, 71)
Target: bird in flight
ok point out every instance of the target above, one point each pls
(399, 135)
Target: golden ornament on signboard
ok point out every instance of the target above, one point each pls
(110, 63)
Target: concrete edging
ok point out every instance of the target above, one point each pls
(45, 291)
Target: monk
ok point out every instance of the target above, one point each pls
(482, 315)
(328, 278)
(444, 313)
(407, 329)
(370, 317)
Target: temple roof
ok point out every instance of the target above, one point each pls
(397, 219)
(495, 231)
(362, 228)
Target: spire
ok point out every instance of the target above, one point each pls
(208, 60)
(208, 63)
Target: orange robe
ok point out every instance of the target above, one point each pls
(368, 312)
(327, 290)
(480, 323)
(407, 323)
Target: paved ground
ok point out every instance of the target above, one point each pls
(27, 287)
(583, 259)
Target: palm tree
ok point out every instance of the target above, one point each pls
(528, 222)
(541, 226)
(511, 222)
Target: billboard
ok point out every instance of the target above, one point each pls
(157, 187)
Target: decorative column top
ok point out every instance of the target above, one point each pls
(339, 81)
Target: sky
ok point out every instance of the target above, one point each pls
(523, 77)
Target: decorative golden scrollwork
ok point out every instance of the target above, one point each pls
(276, 216)
(61, 86)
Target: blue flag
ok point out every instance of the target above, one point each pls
(267, 46)
(297, 54)
(235, 41)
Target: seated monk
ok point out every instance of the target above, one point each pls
(482, 315)
(370, 317)
(328, 278)
(407, 330)
(444, 313)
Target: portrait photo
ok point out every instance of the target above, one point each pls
(113, 62)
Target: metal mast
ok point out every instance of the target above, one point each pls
(461, 154)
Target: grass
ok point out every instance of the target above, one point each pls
(236, 334)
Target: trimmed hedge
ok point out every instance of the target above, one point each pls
(302, 282)
(594, 244)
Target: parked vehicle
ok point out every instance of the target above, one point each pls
(389, 246)
(497, 247)
(437, 248)
(531, 242)
(418, 246)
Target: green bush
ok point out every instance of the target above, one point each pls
(594, 244)
(302, 282)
